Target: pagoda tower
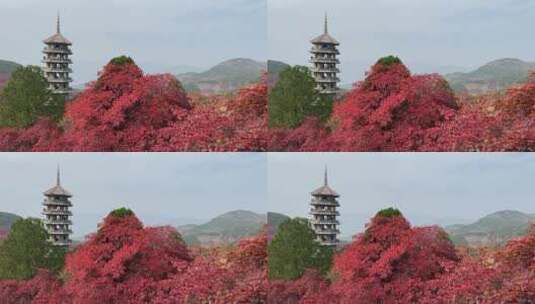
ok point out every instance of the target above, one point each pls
(324, 62)
(323, 214)
(56, 62)
(57, 214)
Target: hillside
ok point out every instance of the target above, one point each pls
(6, 220)
(224, 77)
(492, 230)
(224, 229)
(493, 76)
(274, 69)
(6, 68)
(274, 220)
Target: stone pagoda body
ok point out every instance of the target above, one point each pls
(323, 214)
(56, 62)
(57, 214)
(324, 62)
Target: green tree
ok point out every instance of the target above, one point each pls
(26, 97)
(295, 97)
(294, 250)
(27, 249)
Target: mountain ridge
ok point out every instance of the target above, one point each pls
(227, 228)
(6, 220)
(6, 68)
(494, 229)
(496, 75)
(224, 77)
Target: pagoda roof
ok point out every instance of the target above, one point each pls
(325, 190)
(57, 37)
(325, 38)
(57, 190)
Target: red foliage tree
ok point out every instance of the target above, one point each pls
(309, 288)
(124, 262)
(44, 135)
(238, 276)
(123, 110)
(238, 124)
(43, 288)
(391, 262)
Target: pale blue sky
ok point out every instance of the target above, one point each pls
(160, 35)
(162, 188)
(429, 188)
(430, 36)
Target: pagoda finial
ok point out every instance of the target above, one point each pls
(58, 28)
(325, 178)
(326, 24)
(58, 181)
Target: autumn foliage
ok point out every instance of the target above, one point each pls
(125, 262)
(392, 262)
(126, 110)
(392, 110)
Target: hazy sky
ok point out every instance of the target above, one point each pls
(160, 35)
(175, 188)
(428, 188)
(429, 36)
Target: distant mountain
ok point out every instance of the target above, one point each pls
(6, 68)
(224, 77)
(493, 76)
(224, 229)
(274, 69)
(6, 220)
(492, 230)
(274, 220)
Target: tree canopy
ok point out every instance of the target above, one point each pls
(295, 97)
(26, 98)
(294, 249)
(27, 249)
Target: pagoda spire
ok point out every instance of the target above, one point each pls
(326, 24)
(325, 178)
(58, 27)
(58, 180)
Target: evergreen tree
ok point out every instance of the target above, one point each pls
(294, 249)
(295, 97)
(27, 249)
(26, 97)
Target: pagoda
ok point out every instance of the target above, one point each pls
(57, 214)
(323, 214)
(324, 62)
(56, 62)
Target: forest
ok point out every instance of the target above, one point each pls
(127, 262)
(394, 110)
(394, 262)
(127, 110)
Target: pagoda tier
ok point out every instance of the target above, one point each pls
(324, 63)
(57, 215)
(323, 214)
(56, 62)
